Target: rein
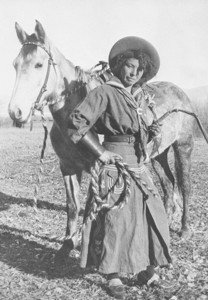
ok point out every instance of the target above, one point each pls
(39, 106)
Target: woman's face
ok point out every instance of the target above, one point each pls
(130, 72)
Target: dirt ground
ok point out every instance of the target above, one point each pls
(30, 238)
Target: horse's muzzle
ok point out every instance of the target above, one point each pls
(16, 114)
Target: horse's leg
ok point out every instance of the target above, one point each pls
(182, 151)
(72, 186)
(167, 181)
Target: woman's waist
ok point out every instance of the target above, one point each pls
(128, 150)
(121, 138)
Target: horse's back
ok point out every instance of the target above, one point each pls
(168, 95)
(177, 126)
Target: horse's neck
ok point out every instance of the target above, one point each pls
(65, 69)
(73, 85)
(62, 102)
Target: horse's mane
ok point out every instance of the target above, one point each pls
(101, 76)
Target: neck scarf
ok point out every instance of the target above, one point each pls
(129, 98)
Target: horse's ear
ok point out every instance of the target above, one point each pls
(40, 32)
(22, 35)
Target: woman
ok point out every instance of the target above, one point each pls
(135, 238)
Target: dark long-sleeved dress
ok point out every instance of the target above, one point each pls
(137, 235)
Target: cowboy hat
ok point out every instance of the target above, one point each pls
(133, 43)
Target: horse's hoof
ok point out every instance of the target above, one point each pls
(63, 254)
(185, 233)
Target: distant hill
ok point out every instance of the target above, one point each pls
(5, 119)
(4, 101)
(199, 100)
(198, 95)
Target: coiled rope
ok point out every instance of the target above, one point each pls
(126, 174)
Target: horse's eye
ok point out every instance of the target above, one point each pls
(38, 65)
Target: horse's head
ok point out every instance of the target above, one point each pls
(36, 74)
(45, 76)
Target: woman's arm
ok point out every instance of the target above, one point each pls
(82, 119)
(86, 114)
(91, 143)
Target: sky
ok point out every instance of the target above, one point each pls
(85, 30)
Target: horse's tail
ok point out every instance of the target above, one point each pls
(199, 101)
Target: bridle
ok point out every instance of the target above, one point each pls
(38, 105)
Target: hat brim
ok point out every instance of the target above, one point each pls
(134, 43)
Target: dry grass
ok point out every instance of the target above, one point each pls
(30, 239)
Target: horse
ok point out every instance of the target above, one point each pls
(45, 77)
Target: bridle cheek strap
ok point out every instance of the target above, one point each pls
(38, 104)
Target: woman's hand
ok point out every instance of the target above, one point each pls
(154, 129)
(109, 157)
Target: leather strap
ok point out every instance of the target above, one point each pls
(120, 138)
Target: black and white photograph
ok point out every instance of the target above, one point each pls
(103, 150)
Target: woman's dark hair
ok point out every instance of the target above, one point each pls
(145, 63)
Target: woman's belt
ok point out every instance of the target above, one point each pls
(124, 138)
